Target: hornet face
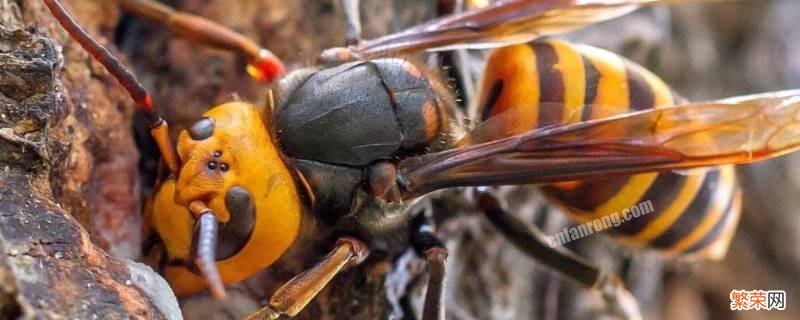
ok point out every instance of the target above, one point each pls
(231, 164)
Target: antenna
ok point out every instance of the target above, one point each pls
(102, 55)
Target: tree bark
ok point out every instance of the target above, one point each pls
(66, 156)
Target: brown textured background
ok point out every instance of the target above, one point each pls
(66, 156)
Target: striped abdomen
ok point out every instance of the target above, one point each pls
(692, 212)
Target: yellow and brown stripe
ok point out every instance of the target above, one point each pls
(560, 83)
(706, 210)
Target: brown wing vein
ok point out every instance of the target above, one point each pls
(502, 23)
(732, 131)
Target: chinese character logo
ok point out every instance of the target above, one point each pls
(758, 300)
(740, 300)
(777, 300)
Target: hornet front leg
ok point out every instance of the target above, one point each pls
(296, 293)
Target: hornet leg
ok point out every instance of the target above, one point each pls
(264, 65)
(427, 245)
(352, 18)
(533, 242)
(158, 129)
(295, 294)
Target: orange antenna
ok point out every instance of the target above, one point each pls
(102, 55)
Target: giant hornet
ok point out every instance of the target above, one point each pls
(353, 141)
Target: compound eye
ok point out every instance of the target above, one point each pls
(202, 129)
(233, 236)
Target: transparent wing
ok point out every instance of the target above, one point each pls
(517, 120)
(501, 23)
(731, 131)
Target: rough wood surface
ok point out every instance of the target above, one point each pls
(66, 155)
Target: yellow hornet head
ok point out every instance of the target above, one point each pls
(231, 164)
